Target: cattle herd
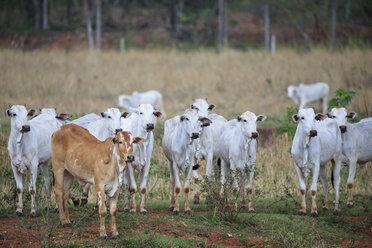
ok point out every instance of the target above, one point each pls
(104, 150)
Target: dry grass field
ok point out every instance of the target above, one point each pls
(83, 82)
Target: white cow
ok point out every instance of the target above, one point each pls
(140, 123)
(101, 127)
(238, 147)
(152, 97)
(29, 147)
(207, 144)
(317, 141)
(306, 93)
(356, 143)
(179, 148)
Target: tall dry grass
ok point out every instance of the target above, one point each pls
(83, 82)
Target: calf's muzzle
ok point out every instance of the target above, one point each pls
(343, 129)
(313, 133)
(25, 129)
(130, 158)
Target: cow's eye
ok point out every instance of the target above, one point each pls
(187, 119)
(302, 118)
(245, 120)
(14, 114)
(141, 113)
(197, 109)
(109, 117)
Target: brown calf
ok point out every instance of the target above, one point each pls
(77, 153)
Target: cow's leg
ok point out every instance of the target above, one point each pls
(350, 182)
(249, 190)
(196, 180)
(313, 189)
(44, 169)
(325, 103)
(323, 178)
(171, 180)
(224, 171)
(143, 183)
(68, 180)
(84, 198)
(301, 181)
(186, 187)
(18, 178)
(58, 192)
(177, 188)
(32, 187)
(243, 181)
(113, 201)
(101, 198)
(126, 191)
(132, 188)
(337, 178)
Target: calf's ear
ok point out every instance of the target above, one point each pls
(295, 118)
(137, 140)
(126, 114)
(114, 140)
(211, 107)
(351, 115)
(32, 112)
(158, 114)
(320, 117)
(63, 116)
(261, 118)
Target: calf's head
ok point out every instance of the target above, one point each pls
(18, 115)
(306, 121)
(192, 123)
(340, 115)
(248, 122)
(124, 145)
(202, 107)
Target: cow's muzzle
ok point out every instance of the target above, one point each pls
(25, 129)
(149, 127)
(313, 133)
(130, 158)
(254, 135)
(343, 129)
(194, 135)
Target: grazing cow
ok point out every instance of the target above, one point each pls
(317, 141)
(207, 144)
(29, 147)
(238, 147)
(77, 153)
(152, 97)
(140, 123)
(179, 148)
(356, 143)
(306, 93)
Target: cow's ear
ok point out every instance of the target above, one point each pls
(295, 118)
(32, 112)
(126, 114)
(239, 118)
(205, 121)
(158, 114)
(182, 118)
(320, 117)
(261, 117)
(137, 140)
(211, 107)
(330, 115)
(351, 115)
(8, 112)
(63, 116)
(192, 106)
(103, 114)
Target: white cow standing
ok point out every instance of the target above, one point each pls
(178, 145)
(306, 93)
(317, 141)
(207, 144)
(152, 97)
(29, 147)
(238, 148)
(140, 123)
(356, 144)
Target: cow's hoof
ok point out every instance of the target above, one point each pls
(337, 213)
(175, 212)
(117, 237)
(144, 212)
(315, 215)
(104, 238)
(188, 212)
(33, 214)
(56, 211)
(325, 209)
(350, 205)
(68, 225)
(19, 214)
(171, 209)
(132, 212)
(126, 210)
(76, 202)
(251, 211)
(83, 202)
(301, 213)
